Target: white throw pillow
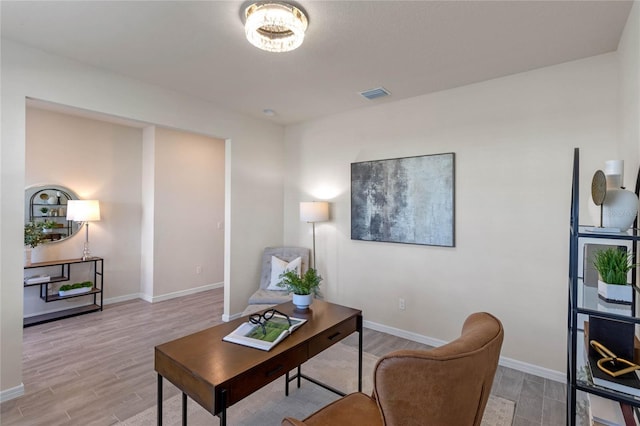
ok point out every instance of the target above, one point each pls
(279, 267)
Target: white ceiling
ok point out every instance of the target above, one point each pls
(409, 47)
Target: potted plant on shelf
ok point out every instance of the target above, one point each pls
(77, 288)
(48, 225)
(303, 287)
(32, 238)
(44, 211)
(613, 265)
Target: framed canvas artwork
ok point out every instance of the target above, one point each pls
(404, 200)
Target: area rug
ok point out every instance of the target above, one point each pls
(337, 366)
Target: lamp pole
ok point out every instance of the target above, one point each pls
(313, 226)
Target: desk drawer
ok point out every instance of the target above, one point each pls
(332, 336)
(257, 377)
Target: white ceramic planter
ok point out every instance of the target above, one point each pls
(615, 293)
(74, 291)
(302, 301)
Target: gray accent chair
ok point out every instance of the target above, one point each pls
(264, 298)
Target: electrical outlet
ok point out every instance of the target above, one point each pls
(198, 269)
(401, 304)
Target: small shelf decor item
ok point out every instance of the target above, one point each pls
(303, 287)
(48, 226)
(618, 206)
(77, 288)
(613, 265)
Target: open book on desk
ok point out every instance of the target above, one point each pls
(255, 336)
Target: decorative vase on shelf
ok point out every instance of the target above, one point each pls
(620, 206)
(619, 209)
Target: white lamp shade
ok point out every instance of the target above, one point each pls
(314, 211)
(83, 210)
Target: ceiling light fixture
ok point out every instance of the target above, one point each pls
(275, 27)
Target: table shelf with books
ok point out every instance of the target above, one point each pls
(46, 274)
(593, 396)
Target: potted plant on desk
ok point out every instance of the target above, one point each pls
(613, 265)
(303, 287)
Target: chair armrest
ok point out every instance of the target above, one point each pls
(289, 421)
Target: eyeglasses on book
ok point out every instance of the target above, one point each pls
(262, 319)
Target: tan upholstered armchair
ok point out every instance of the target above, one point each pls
(445, 386)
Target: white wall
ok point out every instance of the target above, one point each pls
(188, 212)
(629, 51)
(254, 160)
(96, 160)
(514, 139)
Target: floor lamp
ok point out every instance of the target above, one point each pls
(84, 211)
(312, 212)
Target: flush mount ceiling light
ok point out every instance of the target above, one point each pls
(275, 27)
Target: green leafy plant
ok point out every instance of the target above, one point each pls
(68, 287)
(33, 235)
(308, 283)
(49, 224)
(613, 265)
(44, 210)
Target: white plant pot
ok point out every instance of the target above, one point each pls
(73, 291)
(615, 293)
(302, 301)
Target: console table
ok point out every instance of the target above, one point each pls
(64, 274)
(217, 374)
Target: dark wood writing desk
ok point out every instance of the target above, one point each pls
(217, 374)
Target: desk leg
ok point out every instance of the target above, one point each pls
(299, 375)
(286, 384)
(184, 409)
(360, 354)
(223, 403)
(159, 400)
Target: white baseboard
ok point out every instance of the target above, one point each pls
(124, 298)
(227, 318)
(11, 393)
(175, 294)
(504, 361)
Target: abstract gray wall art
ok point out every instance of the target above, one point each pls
(404, 200)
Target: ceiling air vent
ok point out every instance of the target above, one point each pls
(378, 92)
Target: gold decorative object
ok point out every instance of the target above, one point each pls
(609, 357)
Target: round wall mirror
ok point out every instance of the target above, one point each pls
(46, 205)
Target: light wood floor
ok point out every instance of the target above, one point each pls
(97, 369)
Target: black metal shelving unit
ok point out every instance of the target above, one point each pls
(65, 275)
(588, 305)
